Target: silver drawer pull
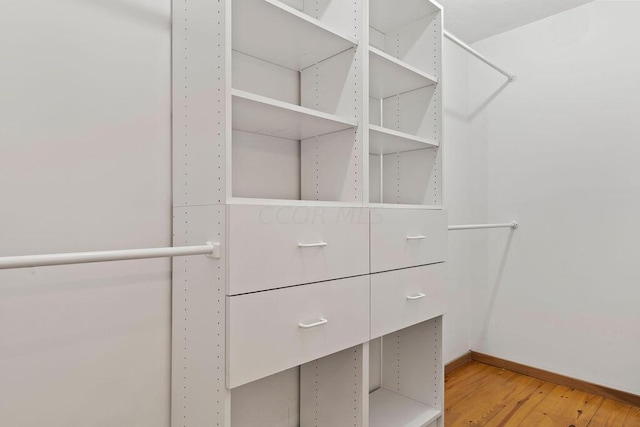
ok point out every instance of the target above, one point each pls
(416, 237)
(320, 322)
(312, 245)
(415, 297)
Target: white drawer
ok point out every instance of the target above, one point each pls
(268, 332)
(402, 298)
(277, 246)
(407, 237)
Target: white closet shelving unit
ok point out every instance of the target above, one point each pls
(307, 140)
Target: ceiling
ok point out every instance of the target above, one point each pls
(473, 20)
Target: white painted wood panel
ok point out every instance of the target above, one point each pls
(412, 177)
(407, 237)
(278, 33)
(387, 141)
(412, 363)
(268, 116)
(201, 107)
(344, 16)
(389, 76)
(375, 179)
(253, 75)
(297, 4)
(296, 203)
(413, 113)
(264, 334)
(333, 389)
(200, 111)
(392, 409)
(264, 251)
(375, 364)
(273, 401)
(331, 167)
(376, 38)
(198, 291)
(389, 16)
(265, 166)
(402, 298)
(331, 85)
(375, 111)
(418, 43)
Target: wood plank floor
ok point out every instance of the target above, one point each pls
(482, 395)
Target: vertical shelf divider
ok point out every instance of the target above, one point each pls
(200, 117)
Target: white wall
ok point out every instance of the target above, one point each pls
(85, 165)
(563, 155)
(465, 182)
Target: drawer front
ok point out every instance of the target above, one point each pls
(268, 332)
(402, 298)
(277, 246)
(407, 237)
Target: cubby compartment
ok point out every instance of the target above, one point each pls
(274, 170)
(273, 401)
(330, 391)
(411, 178)
(406, 377)
(408, 30)
(298, 53)
(296, 101)
(414, 114)
(293, 34)
(389, 76)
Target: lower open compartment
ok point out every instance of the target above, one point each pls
(406, 380)
(393, 381)
(330, 391)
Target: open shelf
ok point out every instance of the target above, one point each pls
(267, 116)
(292, 203)
(409, 30)
(404, 206)
(387, 16)
(282, 151)
(282, 35)
(405, 375)
(387, 141)
(392, 409)
(390, 76)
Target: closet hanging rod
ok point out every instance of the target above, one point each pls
(209, 249)
(478, 55)
(513, 225)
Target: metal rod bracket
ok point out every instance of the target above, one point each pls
(215, 251)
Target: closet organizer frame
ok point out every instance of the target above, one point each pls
(208, 176)
(405, 132)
